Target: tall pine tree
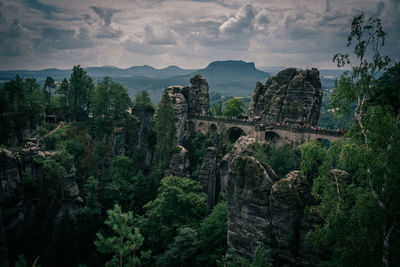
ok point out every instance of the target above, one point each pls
(165, 129)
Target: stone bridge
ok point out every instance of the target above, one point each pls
(234, 128)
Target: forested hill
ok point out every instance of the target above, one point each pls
(225, 77)
(99, 72)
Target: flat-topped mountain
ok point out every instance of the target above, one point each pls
(232, 70)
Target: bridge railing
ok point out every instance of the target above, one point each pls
(266, 126)
(223, 119)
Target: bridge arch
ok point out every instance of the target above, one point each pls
(202, 127)
(234, 133)
(273, 137)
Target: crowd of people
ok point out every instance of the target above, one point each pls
(269, 123)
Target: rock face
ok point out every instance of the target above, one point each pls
(262, 208)
(197, 96)
(207, 177)
(179, 165)
(248, 205)
(22, 215)
(292, 97)
(180, 105)
(192, 99)
(288, 198)
(140, 144)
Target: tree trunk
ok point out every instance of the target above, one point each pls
(387, 232)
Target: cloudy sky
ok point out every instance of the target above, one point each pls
(37, 34)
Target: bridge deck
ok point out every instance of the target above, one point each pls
(266, 127)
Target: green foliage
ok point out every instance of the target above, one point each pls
(234, 107)
(165, 129)
(110, 104)
(217, 108)
(312, 156)
(63, 90)
(119, 189)
(213, 236)
(21, 261)
(182, 250)
(387, 89)
(41, 131)
(281, 159)
(74, 148)
(367, 39)
(49, 86)
(55, 169)
(50, 142)
(142, 100)
(125, 242)
(197, 145)
(260, 259)
(90, 216)
(127, 187)
(329, 118)
(360, 211)
(180, 203)
(79, 92)
(92, 206)
(21, 105)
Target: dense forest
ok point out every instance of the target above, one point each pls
(97, 189)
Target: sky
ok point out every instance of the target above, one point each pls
(38, 34)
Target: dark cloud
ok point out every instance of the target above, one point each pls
(106, 30)
(14, 31)
(60, 39)
(48, 10)
(105, 14)
(13, 42)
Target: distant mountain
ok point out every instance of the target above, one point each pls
(99, 72)
(230, 77)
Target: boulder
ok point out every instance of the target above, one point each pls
(293, 97)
